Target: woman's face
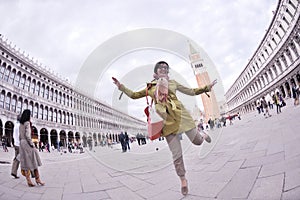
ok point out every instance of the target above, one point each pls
(162, 69)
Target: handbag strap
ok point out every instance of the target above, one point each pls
(147, 96)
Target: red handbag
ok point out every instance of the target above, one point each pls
(155, 122)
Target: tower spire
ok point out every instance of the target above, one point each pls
(192, 49)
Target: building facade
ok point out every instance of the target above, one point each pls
(60, 112)
(275, 66)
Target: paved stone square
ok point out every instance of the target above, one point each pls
(255, 158)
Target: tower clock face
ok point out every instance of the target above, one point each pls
(198, 67)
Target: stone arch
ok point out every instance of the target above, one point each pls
(53, 138)
(70, 136)
(63, 138)
(77, 137)
(44, 135)
(288, 89)
(281, 89)
(34, 135)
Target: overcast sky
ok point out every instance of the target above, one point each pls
(61, 34)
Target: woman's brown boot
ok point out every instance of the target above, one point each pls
(184, 187)
(37, 178)
(26, 173)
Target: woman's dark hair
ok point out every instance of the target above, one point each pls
(25, 116)
(158, 64)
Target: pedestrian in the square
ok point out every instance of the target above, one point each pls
(29, 156)
(266, 107)
(16, 144)
(295, 94)
(123, 142)
(277, 102)
(4, 144)
(127, 141)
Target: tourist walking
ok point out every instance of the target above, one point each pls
(266, 107)
(123, 142)
(176, 118)
(295, 94)
(4, 144)
(277, 102)
(211, 123)
(127, 140)
(29, 156)
(16, 144)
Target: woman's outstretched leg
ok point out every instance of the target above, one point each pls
(196, 138)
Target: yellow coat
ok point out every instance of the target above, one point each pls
(176, 118)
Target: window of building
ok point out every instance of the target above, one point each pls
(54, 116)
(63, 99)
(67, 119)
(17, 79)
(55, 96)
(46, 93)
(37, 89)
(32, 86)
(30, 107)
(71, 120)
(59, 117)
(7, 101)
(14, 104)
(22, 82)
(12, 77)
(59, 98)
(2, 100)
(19, 106)
(63, 118)
(41, 110)
(50, 118)
(45, 113)
(42, 90)
(67, 101)
(2, 71)
(6, 74)
(25, 105)
(27, 84)
(51, 94)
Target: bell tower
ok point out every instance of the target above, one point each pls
(211, 108)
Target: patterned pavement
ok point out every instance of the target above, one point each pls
(255, 158)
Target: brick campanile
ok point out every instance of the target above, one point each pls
(211, 108)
